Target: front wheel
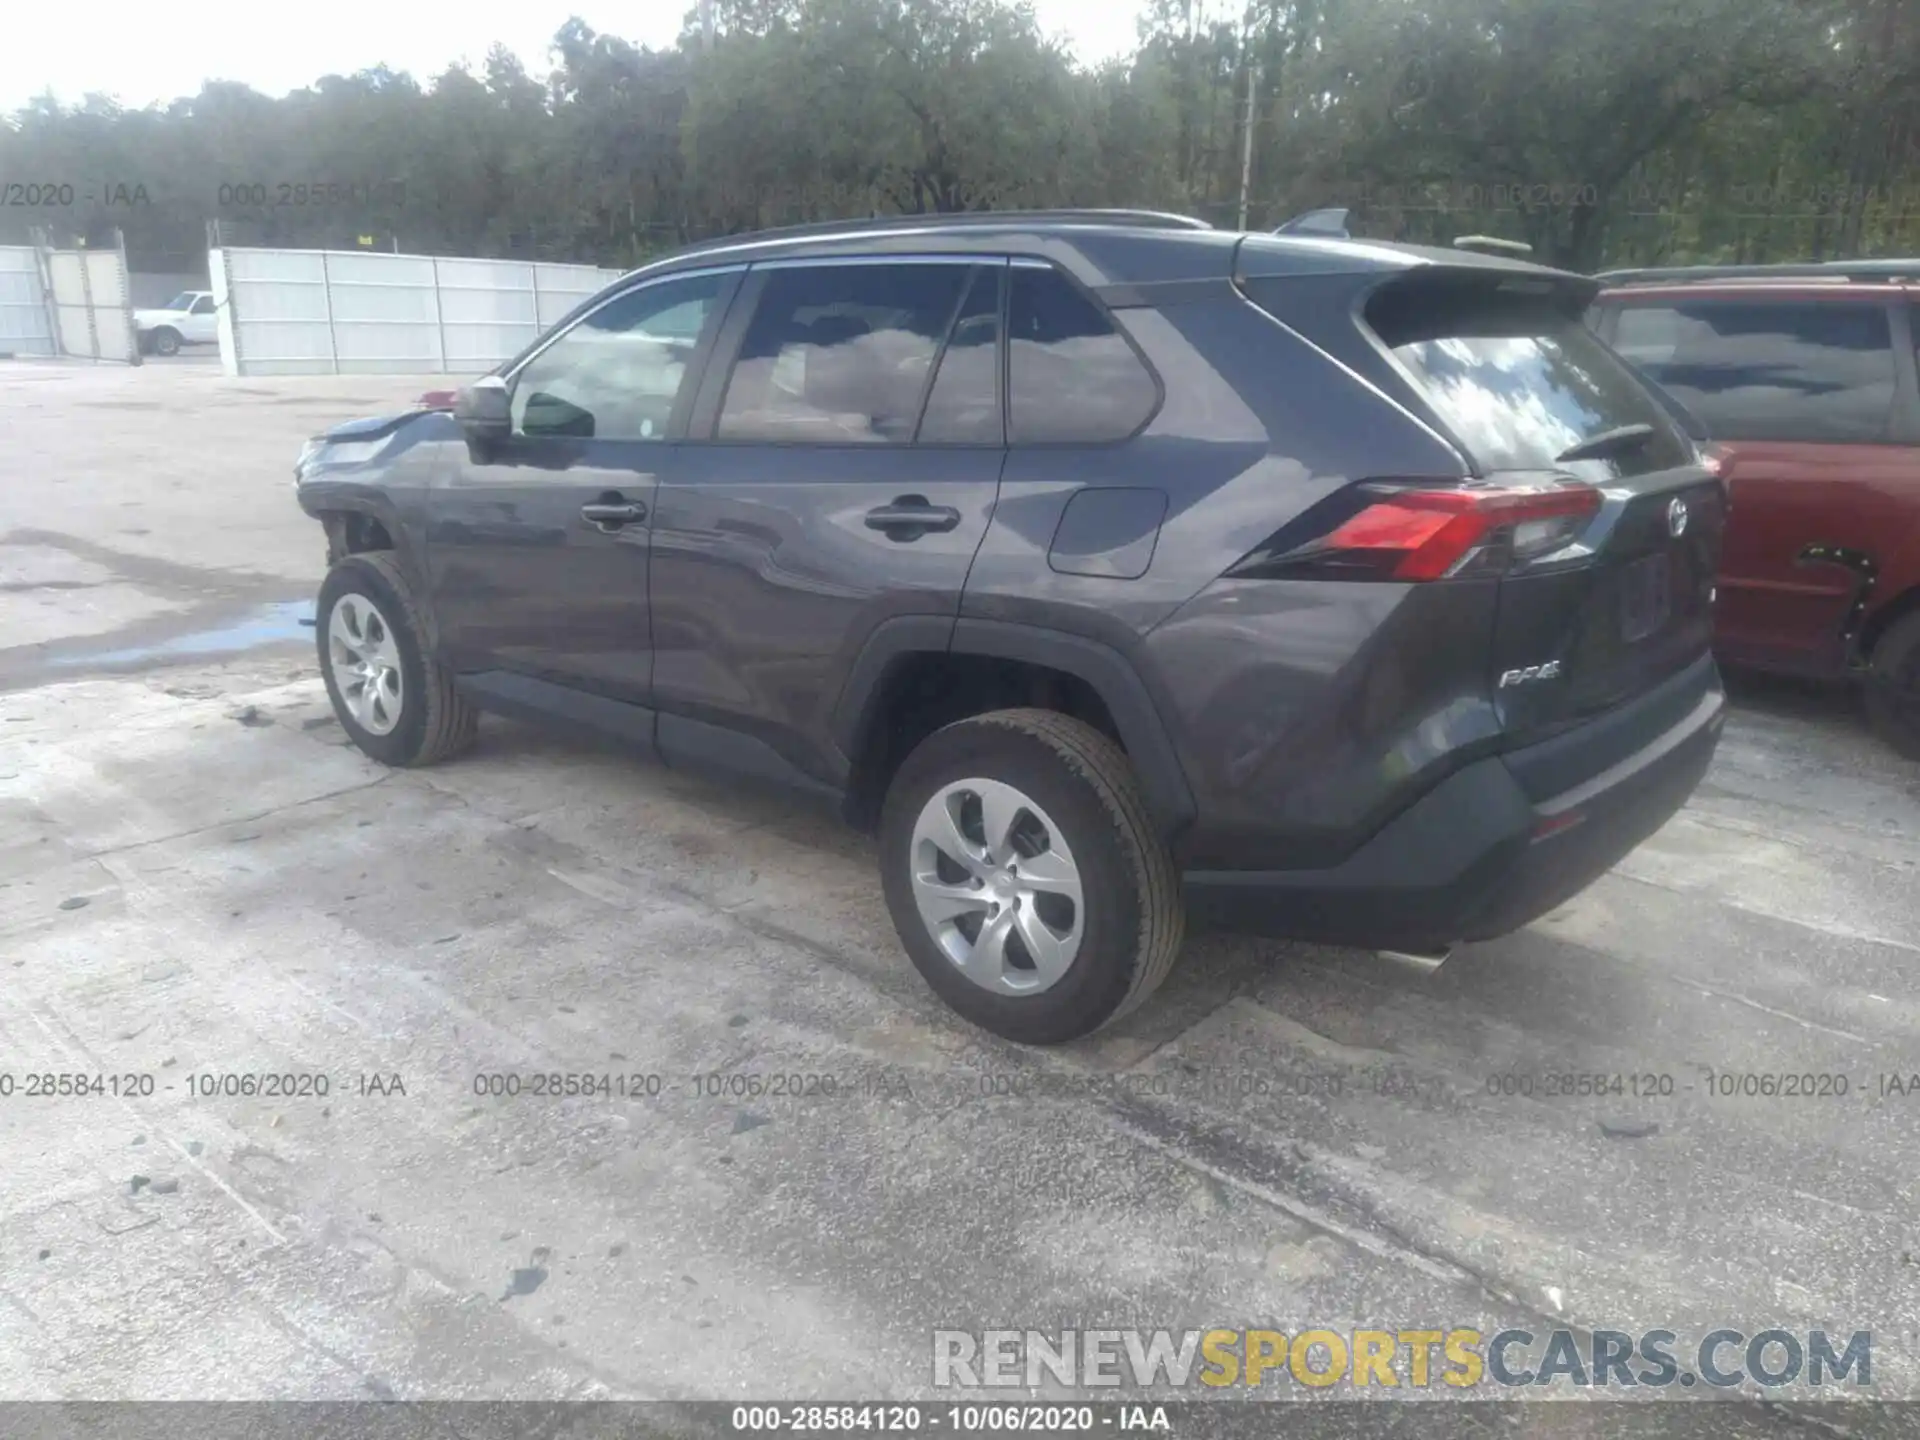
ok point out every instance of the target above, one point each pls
(394, 700)
(1025, 878)
(166, 342)
(1893, 686)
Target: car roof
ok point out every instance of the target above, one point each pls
(1101, 247)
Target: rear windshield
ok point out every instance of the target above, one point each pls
(1516, 375)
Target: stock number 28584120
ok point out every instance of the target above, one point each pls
(62, 1085)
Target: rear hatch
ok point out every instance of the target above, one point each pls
(1509, 370)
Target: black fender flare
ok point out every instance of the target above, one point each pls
(332, 503)
(1163, 781)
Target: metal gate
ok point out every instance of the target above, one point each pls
(92, 304)
(67, 302)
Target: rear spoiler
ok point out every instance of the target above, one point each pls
(1334, 223)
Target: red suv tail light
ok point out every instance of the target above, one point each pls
(1385, 532)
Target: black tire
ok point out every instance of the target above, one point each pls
(436, 721)
(166, 341)
(1893, 686)
(1134, 915)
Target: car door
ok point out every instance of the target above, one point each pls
(1805, 393)
(848, 453)
(201, 320)
(537, 545)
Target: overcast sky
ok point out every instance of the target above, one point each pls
(152, 52)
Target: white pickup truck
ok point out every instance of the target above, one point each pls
(187, 319)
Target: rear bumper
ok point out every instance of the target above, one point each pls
(1498, 843)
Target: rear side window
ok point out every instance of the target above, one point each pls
(963, 407)
(840, 354)
(1769, 370)
(1515, 373)
(1070, 375)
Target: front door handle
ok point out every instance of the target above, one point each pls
(612, 514)
(910, 516)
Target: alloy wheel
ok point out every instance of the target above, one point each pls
(997, 886)
(366, 663)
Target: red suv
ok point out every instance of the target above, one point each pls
(1805, 377)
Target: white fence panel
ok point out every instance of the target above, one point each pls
(66, 302)
(294, 312)
(93, 304)
(561, 287)
(24, 327)
(489, 309)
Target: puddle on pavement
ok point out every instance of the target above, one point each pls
(266, 625)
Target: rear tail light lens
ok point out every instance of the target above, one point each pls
(1405, 533)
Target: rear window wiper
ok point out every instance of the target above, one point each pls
(1607, 442)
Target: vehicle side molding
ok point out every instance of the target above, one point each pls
(696, 746)
(522, 697)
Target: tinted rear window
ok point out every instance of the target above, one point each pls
(1518, 378)
(1769, 370)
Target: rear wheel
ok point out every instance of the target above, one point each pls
(395, 701)
(1893, 686)
(1024, 877)
(166, 341)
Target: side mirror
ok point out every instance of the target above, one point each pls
(481, 409)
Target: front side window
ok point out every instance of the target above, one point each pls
(618, 373)
(840, 354)
(1769, 369)
(203, 306)
(1070, 375)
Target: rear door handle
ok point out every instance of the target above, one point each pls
(612, 514)
(910, 517)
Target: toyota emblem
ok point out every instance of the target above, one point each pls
(1676, 517)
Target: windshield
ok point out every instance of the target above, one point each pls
(183, 301)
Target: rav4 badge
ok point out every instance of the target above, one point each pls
(1548, 671)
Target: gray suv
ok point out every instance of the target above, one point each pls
(1111, 567)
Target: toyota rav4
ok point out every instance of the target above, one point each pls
(1108, 566)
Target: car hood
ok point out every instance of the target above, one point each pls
(370, 427)
(157, 317)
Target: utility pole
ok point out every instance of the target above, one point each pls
(1246, 138)
(706, 25)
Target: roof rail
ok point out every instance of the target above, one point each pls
(1493, 245)
(1136, 219)
(1832, 271)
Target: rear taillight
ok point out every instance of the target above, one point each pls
(1403, 533)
